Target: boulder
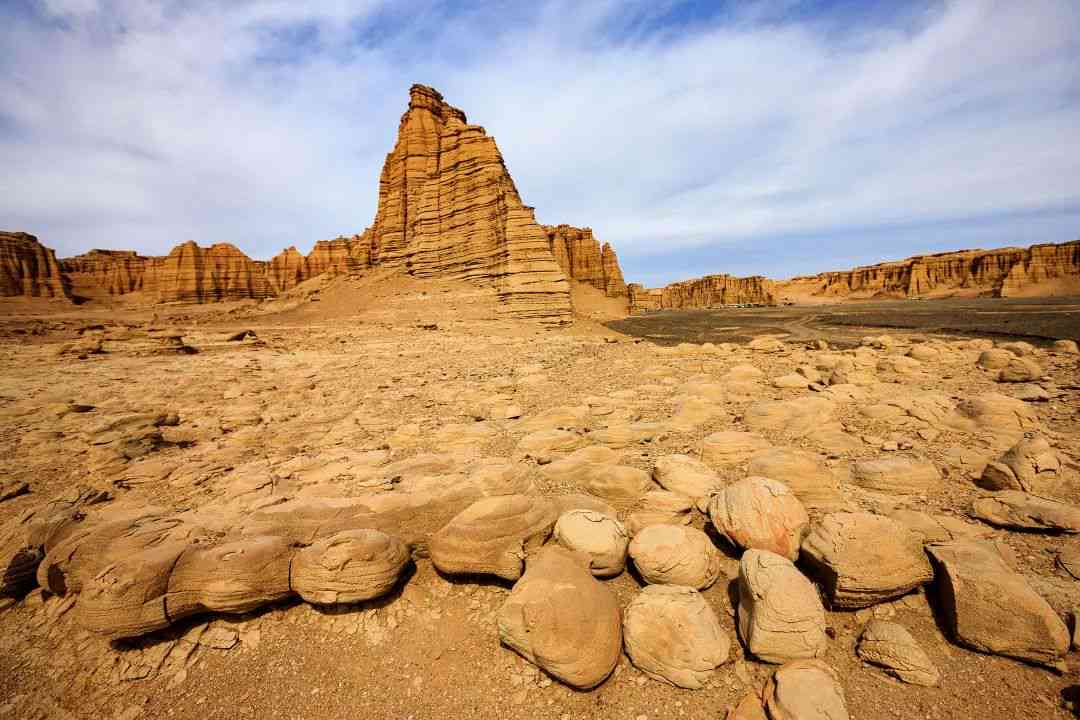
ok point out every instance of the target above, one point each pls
(899, 475)
(619, 484)
(892, 647)
(992, 609)
(1023, 511)
(672, 634)
(762, 514)
(675, 555)
(560, 618)
(1030, 465)
(1020, 370)
(730, 447)
(234, 577)
(780, 615)
(804, 473)
(349, 567)
(601, 538)
(862, 559)
(687, 476)
(805, 690)
(795, 418)
(1065, 347)
(492, 536)
(659, 507)
(749, 707)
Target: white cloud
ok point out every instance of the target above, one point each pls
(265, 123)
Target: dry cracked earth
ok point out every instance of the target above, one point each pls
(350, 502)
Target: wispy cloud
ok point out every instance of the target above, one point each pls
(738, 134)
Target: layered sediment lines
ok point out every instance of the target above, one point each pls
(28, 268)
(1039, 270)
(448, 208)
(581, 257)
(708, 291)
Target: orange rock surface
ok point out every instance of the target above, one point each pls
(29, 268)
(1039, 270)
(581, 258)
(708, 291)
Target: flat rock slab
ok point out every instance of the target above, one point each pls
(1022, 511)
(992, 609)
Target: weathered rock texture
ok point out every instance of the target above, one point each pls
(1008, 272)
(29, 268)
(448, 208)
(708, 291)
(581, 257)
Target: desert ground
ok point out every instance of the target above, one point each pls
(385, 389)
(1035, 320)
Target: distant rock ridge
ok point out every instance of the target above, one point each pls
(708, 291)
(448, 208)
(1037, 271)
(28, 268)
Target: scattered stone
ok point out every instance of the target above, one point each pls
(731, 447)
(349, 567)
(862, 559)
(805, 690)
(493, 535)
(992, 609)
(762, 514)
(780, 615)
(660, 507)
(601, 538)
(892, 647)
(685, 475)
(804, 473)
(1065, 347)
(1030, 465)
(671, 634)
(1020, 370)
(675, 555)
(1023, 511)
(560, 618)
(900, 475)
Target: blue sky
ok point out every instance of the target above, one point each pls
(776, 137)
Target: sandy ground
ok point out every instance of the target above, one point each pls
(388, 364)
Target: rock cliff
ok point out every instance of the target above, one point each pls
(448, 208)
(29, 268)
(111, 272)
(1039, 270)
(581, 257)
(708, 291)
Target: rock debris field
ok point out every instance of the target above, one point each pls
(381, 497)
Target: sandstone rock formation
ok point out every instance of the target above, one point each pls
(761, 513)
(600, 538)
(675, 555)
(780, 615)
(1024, 511)
(1009, 272)
(349, 567)
(1031, 465)
(562, 619)
(708, 291)
(992, 609)
(892, 647)
(29, 268)
(581, 258)
(672, 634)
(448, 208)
(492, 536)
(862, 559)
(805, 690)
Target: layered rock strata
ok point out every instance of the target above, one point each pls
(28, 268)
(581, 257)
(1039, 270)
(448, 208)
(708, 291)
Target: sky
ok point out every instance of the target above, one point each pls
(775, 137)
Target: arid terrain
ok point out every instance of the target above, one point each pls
(413, 398)
(1036, 320)
(433, 469)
